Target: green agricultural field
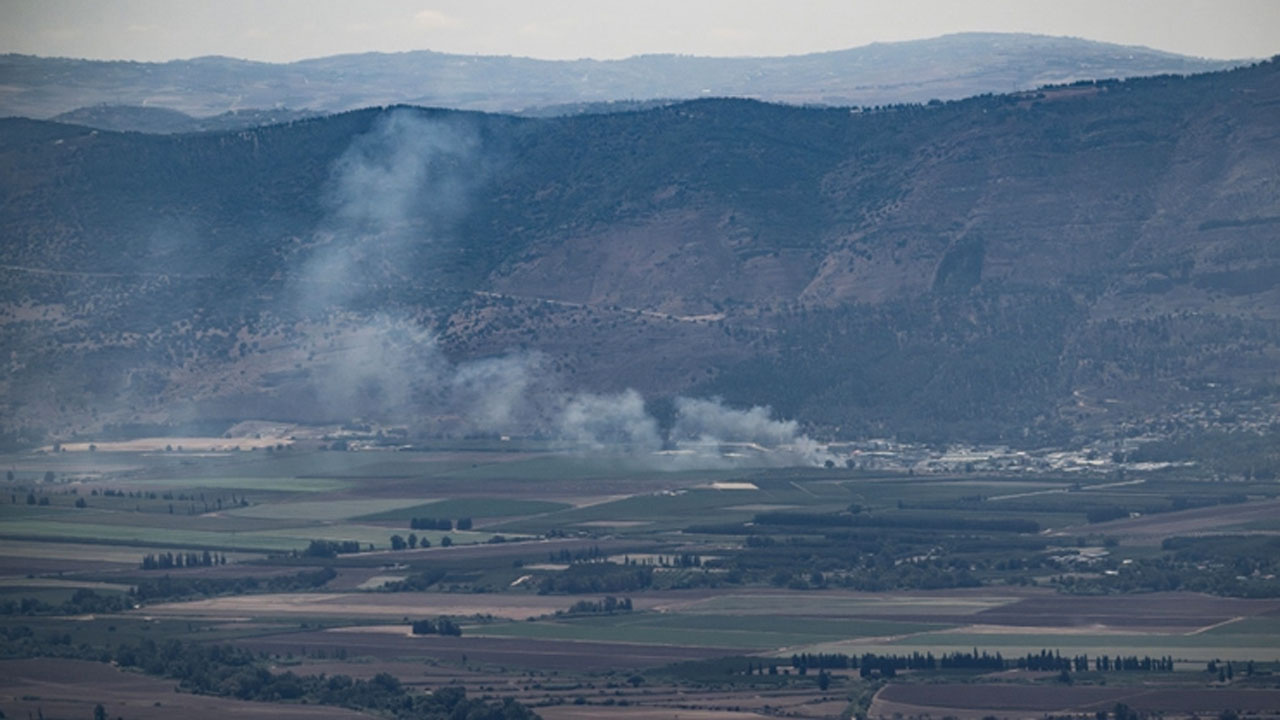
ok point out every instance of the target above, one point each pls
(152, 536)
(675, 511)
(7, 584)
(247, 483)
(87, 552)
(736, 630)
(645, 634)
(325, 510)
(1155, 642)
(297, 464)
(1264, 626)
(1268, 525)
(378, 536)
(466, 507)
(817, 604)
(817, 627)
(22, 511)
(548, 467)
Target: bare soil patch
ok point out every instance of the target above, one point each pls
(581, 712)
(941, 698)
(614, 523)
(391, 606)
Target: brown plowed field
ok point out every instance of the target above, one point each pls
(556, 696)
(592, 712)
(943, 698)
(517, 652)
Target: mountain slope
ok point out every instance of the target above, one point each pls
(948, 67)
(1089, 259)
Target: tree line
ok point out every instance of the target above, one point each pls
(170, 588)
(603, 577)
(870, 664)
(81, 602)
(430, 523)
(331, 548)
(170, 560)
(439, 626)
(607, 606)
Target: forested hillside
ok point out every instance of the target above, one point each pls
(1091, 258)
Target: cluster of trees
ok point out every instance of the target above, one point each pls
(1132, 662)
(81, 602)
(1233, 565)
(602, 577)
(231, 672)
(1246, 454)
(331, 548)
(607, 606)
(591, 554)
(869, 560)
(439, 626)
(169, 588)
(170, 560)
(112, 492)
(430, 523)
(413, 542)
(1227, 671)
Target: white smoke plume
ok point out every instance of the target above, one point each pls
(405, 167)
(498, 396)
(609, 423)
(392, 198)
(394, 195)
(708, 423)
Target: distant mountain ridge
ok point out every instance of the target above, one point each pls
(945, 68)
(124, 118)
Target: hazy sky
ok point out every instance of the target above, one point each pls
(283, 30)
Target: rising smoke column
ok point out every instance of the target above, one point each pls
(393, 196)
(708, 423)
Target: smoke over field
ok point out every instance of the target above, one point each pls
(393, 198)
